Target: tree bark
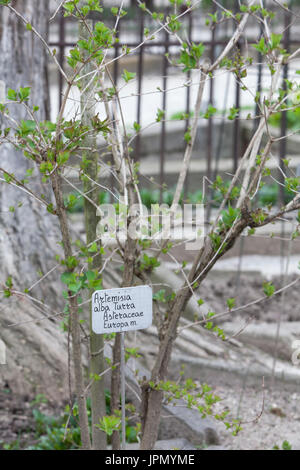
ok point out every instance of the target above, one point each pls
(73, 317)
(152, 398)
(98, 406)
(29, 234)
(36, 353)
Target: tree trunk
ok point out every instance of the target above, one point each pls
(98, 406)
(151, 398)
(28, 236)
(27, 240)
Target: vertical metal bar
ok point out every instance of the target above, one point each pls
(115, 78)
(283, 125)
(188, 94)
(258, 90)
(236, 125)
(282, 146)
(220, 136)
(116, 62)
(140, 80)
(211, 100)
(61, 55)
(163, 124)
(210, 126)
(123, 392)
(259, 83)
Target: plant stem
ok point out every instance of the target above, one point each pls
(91, 221)
(74, 316)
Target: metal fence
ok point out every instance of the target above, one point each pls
(162, 45)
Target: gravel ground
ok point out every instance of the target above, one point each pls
(266, 422)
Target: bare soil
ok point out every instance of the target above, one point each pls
(17, 424)
(248, 288)
(268, 418)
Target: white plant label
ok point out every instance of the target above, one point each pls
(122, 309)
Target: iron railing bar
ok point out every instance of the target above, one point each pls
(163, 124)
(140, 83)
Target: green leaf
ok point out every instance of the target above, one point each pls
(292, 184)
(12, 94)
(71, 262)
(109, 424)
(275, 40)
(69, 7)
(268, 289)
(233, 113)
(50, 126)
(197, 50)
(24, 93)
(210, 111)
(261, 46)
(209, 325)
(160, 114)
(229, 216)
(188, 136)
(46, 167)
(103, 36)
(91, 275)
(74, 57)
(127, 76)
(67, 277)
(9, 282)
(7, 177)
(231, 303)
(136, 126)
(94, 5)
(75, 287)
(86, 45)
(173, 23)
(149, 262)
(85, 10)
(93, 248)
(27, 127)
(115, 11)
(63, 157)
(160, 296)
(189, 57)
(50, 208)
(286, 445)
(210, 314)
